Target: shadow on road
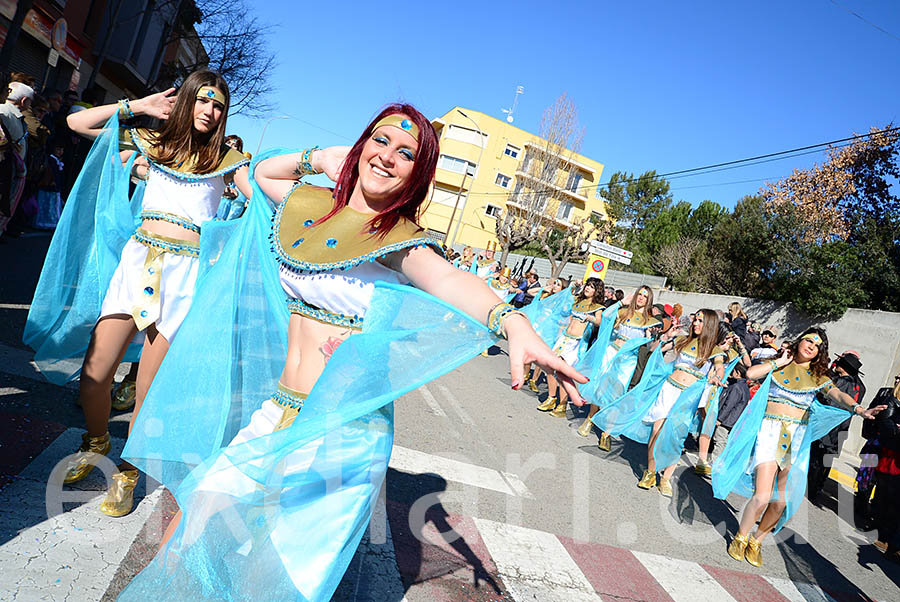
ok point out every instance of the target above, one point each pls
(438, 546)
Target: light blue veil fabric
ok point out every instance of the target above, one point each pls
(712, 408)
(548, 316)
(95, 224)
(681, 420)
(732, 469)
(590, 363)
(279, 516)
(625, 415)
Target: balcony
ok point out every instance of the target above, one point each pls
(558, 222)
(580, 199)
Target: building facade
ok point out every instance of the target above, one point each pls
(61, 42)
(484, 168)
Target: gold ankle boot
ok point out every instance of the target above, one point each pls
(753, 553)
(737, 547)
(533, 386)
(82, 463)
(548, 405)
(585, 429)
(560, 410)
(120, 496)
(124, 396)
(648, 480)
(665, 486)
(603, 444)
(702, 468)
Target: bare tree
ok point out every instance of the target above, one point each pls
(236, 45)
(536, 210)
(678, 262)
(568, 244)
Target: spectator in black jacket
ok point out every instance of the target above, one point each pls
(845, 374)
(887, 473)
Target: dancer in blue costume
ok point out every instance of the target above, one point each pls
(612, 374)
(572, 342)
(501, 285)
(555, 286)
(466, 262)
(140, 261)
(276, 494)
(767, 455)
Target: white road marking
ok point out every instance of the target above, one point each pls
(10, 391)
(455, 404)
(432, 403)
(18, 362)
(534, 565)
(683, 580)
(410, 460)
(798, 591)
(73, 555)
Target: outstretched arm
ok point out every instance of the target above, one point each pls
(841, 397)
(89, 121)
(466, 291)
(276, 175)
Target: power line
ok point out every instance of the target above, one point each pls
(724, 166)
(864, 20)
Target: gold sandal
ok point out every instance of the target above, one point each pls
(83, 462)
(120, 497)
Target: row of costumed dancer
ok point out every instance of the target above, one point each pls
(271, 346)
(767, 453)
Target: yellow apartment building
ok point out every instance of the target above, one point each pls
(483, 162)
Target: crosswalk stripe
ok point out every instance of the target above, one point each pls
(77, 551)
(412, 461)
(683, 580)
(14, 306)
(745, 587)
(798, 591)
(456, 405)
(534, 565)
(432, 403)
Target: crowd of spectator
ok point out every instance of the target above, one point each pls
(40, 157)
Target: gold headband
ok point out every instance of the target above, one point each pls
(399, 121)
(506, 272)
(212, 94)
(811, 336)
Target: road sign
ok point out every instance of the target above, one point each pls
(52, 57)
(614, 253)
(596, 267)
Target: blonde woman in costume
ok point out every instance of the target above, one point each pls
(697, 356)
(633, 321)
(152, 287)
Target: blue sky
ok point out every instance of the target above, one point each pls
(658, 84)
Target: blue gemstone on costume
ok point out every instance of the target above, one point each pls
(406, 124)
(143, 313)
(210, 94)
(148, 290)
(297, 242)
(151, 271)
(787, 380)
(331, 242)
(308, 223)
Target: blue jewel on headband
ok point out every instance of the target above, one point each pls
(406, 124)
(308, 223)
(210, 94)
(331, 242)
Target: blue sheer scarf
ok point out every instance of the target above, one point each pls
(683, 419)
(732, 470)
(625, 415)
(95, 224)
(250, 523)
(712, 407)
(549, 315)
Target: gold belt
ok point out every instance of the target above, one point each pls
(146, 312)
(785, 438)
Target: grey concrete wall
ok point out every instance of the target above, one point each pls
(874, 334)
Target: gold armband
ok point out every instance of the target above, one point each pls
(497, 317)
(125, 111)
(304, 166)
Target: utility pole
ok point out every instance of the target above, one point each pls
(12, 36)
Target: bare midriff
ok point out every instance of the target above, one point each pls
(576, 327)
(683, 378)
(310, 345)
(169, 229)
(783, 409)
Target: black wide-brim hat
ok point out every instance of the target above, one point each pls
(850, 363)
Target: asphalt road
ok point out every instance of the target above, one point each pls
(480, 460)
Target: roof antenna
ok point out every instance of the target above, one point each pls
(509, 112)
